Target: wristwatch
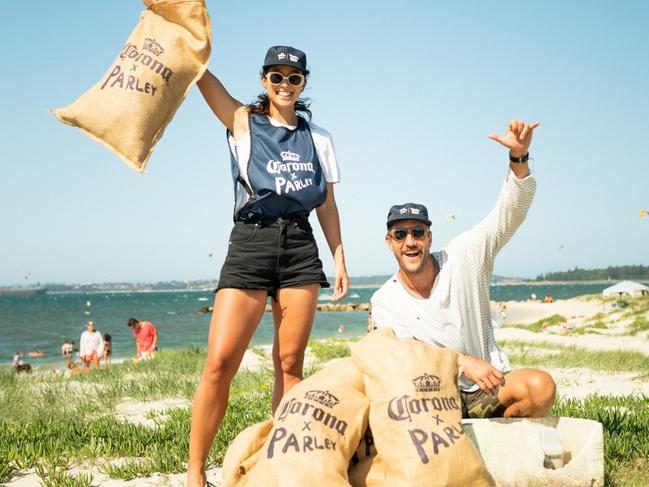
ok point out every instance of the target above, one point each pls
(519, 159)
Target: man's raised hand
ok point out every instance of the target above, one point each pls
(518, 137)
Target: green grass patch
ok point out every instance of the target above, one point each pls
(538, 325)
(524, 354)
(598, 317)
(633, 473)
(625, 421)
(260, 351)
(641, 323)
(325, 350)
(589, 329)
(51, 423)
(53, 475)
(49, 420)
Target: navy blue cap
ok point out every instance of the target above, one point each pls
(408, 211)
(286, 56)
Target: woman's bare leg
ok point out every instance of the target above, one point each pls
(293, 315)
(236, 314)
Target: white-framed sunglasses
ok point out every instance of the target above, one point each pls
(294, 79)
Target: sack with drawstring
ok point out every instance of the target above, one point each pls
(415, 416)
(130, 106)
(316, 429)
(244, 452)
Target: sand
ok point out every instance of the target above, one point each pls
(589, 342)
(579, 383)
(526, 312)
(30, 479)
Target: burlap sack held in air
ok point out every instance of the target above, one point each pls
(130, 106)
(415, 415)
(316, 429)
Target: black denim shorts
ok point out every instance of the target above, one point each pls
(272, 255)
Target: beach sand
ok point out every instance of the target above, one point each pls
(30, 479)
(571, 382)
(526, 312)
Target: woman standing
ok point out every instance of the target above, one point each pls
(283, 167)
(91, 345)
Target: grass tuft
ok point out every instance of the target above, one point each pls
(641, 323)
(625, 421)
(326, 350)
(538, 325)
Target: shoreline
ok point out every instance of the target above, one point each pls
(505, 282)
(564, 283)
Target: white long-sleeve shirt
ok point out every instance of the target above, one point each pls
(457, 314)
(90, 342)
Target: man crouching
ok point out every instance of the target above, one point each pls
(443, 298)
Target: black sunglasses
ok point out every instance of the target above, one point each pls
(276, 78)
(400, 234)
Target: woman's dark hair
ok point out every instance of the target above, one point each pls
(107, 337)
(261, 106)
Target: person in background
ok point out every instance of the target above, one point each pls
(146, 338)
(503, 311)
(67, 349)
(108, 349)
(91, 345)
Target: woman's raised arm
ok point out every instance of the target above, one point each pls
(220, 101)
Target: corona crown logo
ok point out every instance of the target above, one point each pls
(426, 383)
(325, 398)
(290, 156)
(152, 46)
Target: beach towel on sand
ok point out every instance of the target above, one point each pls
(130, 106)
(415, 415)
(316, 429)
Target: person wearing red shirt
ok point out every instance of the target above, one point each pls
(146, 337)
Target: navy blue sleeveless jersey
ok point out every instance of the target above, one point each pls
(283, 175)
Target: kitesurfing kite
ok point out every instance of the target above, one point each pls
(450, 217)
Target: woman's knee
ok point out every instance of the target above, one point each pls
(290, 363)
(219, 369)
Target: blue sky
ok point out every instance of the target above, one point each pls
(409, 92)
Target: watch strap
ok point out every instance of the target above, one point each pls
(519, 159)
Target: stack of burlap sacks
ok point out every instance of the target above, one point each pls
(388, 416)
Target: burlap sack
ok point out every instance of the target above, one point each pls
(366, 468)
(415, 415)
(316, 429)
(244, 452)
(130, 106)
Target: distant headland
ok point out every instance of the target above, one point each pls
(576, 275)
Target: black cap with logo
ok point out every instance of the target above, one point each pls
(286, 56)
(408, 211)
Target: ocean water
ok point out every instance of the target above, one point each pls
(31, 323)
